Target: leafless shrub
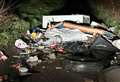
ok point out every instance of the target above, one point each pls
(6, 8)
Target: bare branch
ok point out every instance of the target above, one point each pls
(10, 5)
(6, 6)
(1, 2)
(2, 5)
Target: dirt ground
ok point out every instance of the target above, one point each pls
(55, 72)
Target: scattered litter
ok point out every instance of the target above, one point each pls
(61, 50)
(25, 74)
(39, 61)
(95, 24)
(34, 34)
(32, 61)
(58, 68)
(112, 29)
(43, 67)
(67, 71)
(67, 36)
(16, 66)
(116, 43)
(1, 78)
(41, 47)
(23, 69)
(20, 44)
(16, 56)
(2, 56)
(109, 35)
(52, 56)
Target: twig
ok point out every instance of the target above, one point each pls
(2, 5)
(10, 5)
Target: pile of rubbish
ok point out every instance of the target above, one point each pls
(67, 35)
(77, 40)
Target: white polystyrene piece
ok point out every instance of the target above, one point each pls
(58, 18)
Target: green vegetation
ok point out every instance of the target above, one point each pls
(35, 9)
(29, 14)
(107, 13)
(12, 30)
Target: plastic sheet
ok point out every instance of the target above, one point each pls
(116, 43)
(68, 35)
(76, 48)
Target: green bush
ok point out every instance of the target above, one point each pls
(29, 14)
(12, 30)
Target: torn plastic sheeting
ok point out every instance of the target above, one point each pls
(96, 24)
(116, 43)
(67, 35)
(76, 48)
(88, 29)
(53, 41)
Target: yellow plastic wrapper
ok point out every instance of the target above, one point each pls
(33, 35)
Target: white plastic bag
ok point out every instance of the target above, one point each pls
(20, 44)
(116, 43)
(32, 61)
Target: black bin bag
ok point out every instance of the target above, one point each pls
(102, 48)
(76, 48)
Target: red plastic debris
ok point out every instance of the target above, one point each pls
(61, 50)
(2, 56)
(53, 45)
